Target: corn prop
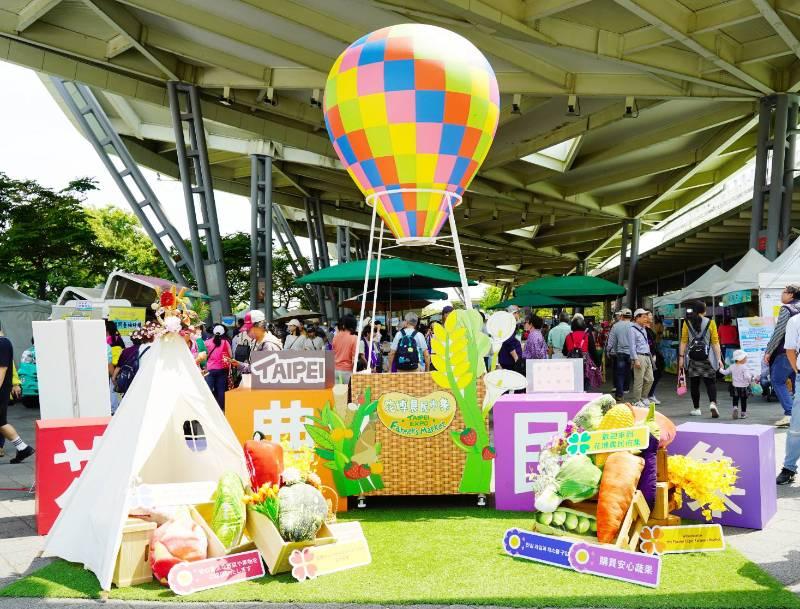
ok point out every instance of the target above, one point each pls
(619, 417)
(336, 442)
(459, 347)
(565, 521)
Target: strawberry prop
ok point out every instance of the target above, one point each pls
(469, 436)
(488, 453)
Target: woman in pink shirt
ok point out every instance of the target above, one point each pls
(219, 353)
(345, 348)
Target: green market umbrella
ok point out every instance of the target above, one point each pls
(583, 287)
(410, 274)
(536, 300)
(399, 300)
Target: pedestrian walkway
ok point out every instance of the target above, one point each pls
(776, 549)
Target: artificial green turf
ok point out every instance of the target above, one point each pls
(455, 556)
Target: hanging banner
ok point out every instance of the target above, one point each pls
(737, 297)
(128, 319)
(769, 300)
(754, 334)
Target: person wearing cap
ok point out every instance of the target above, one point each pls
(260, 339)
(641, 357)
(741, 378)
(619, 349)
(295, 338)
(417, 350)
(775, 354)
(557, 336)
(792, 346)
(218, 364)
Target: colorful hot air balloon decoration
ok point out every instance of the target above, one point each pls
(412, 110)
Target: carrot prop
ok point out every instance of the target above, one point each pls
(620, 477)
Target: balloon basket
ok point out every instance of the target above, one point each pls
(452, 199)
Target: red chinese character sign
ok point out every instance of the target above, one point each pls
(63, 448)
(412, 110)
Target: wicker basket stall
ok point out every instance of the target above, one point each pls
(415, 466)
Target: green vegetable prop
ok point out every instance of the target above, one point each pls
(301, 512)
(229, 514)
(578, 479)
(336, 442)
(459, 347)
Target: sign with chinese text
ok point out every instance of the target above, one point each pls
(128, 319)
(737, 297)
(292, 370)
(754, 334)
(609, 440)
(610, 562)
(554, 375)
(63, 448)
(681, 539)
(604, 561)
(350, 551)
(417, 417)
(769, 301)
(188, 577)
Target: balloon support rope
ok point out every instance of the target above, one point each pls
(366, 283)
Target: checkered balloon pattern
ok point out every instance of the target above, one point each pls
(412, 110)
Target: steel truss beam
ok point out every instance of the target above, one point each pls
(261, 231)
(98, 130)
(198, 189)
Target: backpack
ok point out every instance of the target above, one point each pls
(408, 351)
(698, 348)
(127, 372)
(375, 360)
(576, 351)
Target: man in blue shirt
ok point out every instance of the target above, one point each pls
(557, 336)
(641, 357)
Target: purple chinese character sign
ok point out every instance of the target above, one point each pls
(537, 547)
(603, 561)
(523, 424)
(606, 561)
(752, 449)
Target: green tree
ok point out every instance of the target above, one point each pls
(284, 290)
(491, 296)
(120, 232)
(46, 241)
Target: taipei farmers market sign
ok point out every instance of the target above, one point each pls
(417, 417)
(292, 370)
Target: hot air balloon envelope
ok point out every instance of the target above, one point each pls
(411, 110)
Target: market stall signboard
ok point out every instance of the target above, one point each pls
(417, 417)
(292, 370)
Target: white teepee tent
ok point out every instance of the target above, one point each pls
(167, 431)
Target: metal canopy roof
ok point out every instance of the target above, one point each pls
(687, 73)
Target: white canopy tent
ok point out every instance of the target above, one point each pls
(743, 275)
(167, 432)
(699, 288)
(17, 314)
(784, 269)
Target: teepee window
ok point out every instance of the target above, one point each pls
(195, 436)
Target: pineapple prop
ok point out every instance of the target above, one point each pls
(616, 418)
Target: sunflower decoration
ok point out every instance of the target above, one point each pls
(173, 310)
(652, 540)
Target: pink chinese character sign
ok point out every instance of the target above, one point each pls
(188, 577)
(603, 561)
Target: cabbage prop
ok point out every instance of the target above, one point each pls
(177, 540)
(590, 416)
(302, 511)
(544, 483)
(578, 479)
(228, 518)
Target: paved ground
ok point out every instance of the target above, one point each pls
(776, 548)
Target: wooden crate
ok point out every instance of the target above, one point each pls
(133, 558)
(660, 515)
(630, 531)
(274, 550)
(415, 466)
